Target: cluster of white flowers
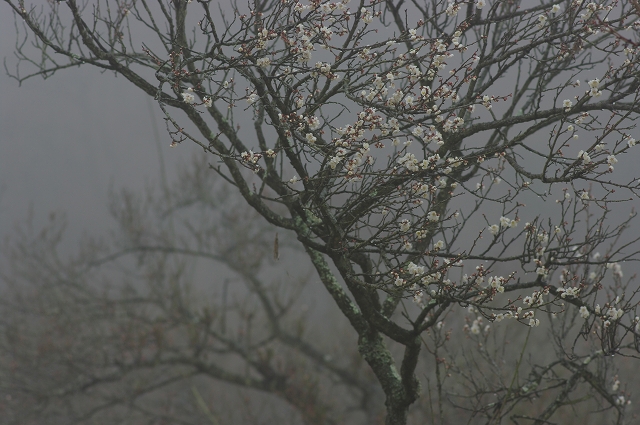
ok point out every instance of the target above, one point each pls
(535, 299)
(505, 223)
(616, 268)
(263, 62)
(542, 21)
(304, 37)
(409, 161)
(567, 104)
(621, 401)
(313, 122)
(570, 292)
(452, 8)
(476, 326)
(399, 281)
(367, 16)
(250, 157)
(339, 156)
(497, 282)
(594, 84)
(455, 40)
(453, 125)
(252, 98)
(352, 164)
(188, 96)
(310, 138)
(405, 225)
(615, 313)
(591, 9)
(415, 270)
(584, 156)
(486, 101)
(584, 312)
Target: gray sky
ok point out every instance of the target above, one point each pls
(65, 141)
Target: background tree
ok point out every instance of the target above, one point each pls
(135, 328)
(405, 146)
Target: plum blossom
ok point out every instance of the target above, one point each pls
(505, 222)
(594, 92)
(542, 21)
(414, 269)
(188, 97)
(433, 216)
(252, 98)
(263, 62)
(314, 123)
(584, 157)
(584, 312)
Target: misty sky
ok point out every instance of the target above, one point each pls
(68, 139)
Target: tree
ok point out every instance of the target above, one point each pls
(405, 145)
(135, 329)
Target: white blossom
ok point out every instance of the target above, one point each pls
(542, 21)
(252, 98)
(433, 216)
(584, 156)
(584, 312)
(263, 62)
(188, 96)
(414, 269)
(405, 225)
(310, 138)
(314, 123)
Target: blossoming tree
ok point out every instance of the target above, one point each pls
(428, 155)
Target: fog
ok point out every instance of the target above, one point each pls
(66, 141)
(74, 138)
